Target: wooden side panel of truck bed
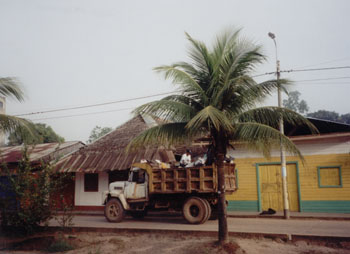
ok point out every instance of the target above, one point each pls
(186, 180)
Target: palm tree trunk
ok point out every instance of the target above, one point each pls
(222, 211)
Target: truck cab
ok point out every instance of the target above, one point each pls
(130, 195)
(136, 188)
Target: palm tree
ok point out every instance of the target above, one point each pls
(217, 98)
(9, 87)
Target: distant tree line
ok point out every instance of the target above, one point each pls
(41, 133)
(294, 103)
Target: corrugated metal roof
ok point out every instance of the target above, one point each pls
(49, 151)
(108, 153)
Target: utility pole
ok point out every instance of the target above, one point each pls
(281, 127)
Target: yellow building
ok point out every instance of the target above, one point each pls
(320, 183)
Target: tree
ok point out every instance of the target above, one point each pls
(345, 118)
(43, 134)
(325, 114)
(217, 98)
(9, 87)
(98, 132)
(293, 103)
(27, 203)
(331, 116)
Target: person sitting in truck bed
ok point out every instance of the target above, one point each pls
(186, 159)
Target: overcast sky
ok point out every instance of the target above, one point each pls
(80, 52)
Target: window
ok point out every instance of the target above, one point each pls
(91, 182)
(329, 177)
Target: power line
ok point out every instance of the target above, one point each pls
(149, 96)
(327, 83)
(93, 105)
(331, 61)
(300, 70)
(321, 79)
(318, 69)
(84, 114)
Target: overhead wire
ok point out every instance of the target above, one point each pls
(330, 61)
(154, 95)
(83, 114)
(93, 105)
(302, 70)
(318, 69)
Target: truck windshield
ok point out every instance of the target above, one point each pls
(137, 176)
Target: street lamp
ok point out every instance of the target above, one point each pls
(281, 127)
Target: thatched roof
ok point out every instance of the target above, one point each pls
(108, 153)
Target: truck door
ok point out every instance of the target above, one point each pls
(137, 185)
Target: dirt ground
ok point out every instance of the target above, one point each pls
(146, 243)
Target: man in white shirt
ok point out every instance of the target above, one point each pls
(186, 159)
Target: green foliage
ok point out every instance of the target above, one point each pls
(217, 98)
(42, 134)
(64, 213)
(98, 132)
(28, 204)
(345, 118)
(331, 116)
(9, 87)
(294, 103)
(60, 246)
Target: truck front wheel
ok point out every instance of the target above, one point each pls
(114, 211)
(195, 211)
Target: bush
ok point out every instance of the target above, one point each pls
(27, 205)
(60, 246)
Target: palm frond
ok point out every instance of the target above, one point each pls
(185, 100)
(189, 85)
(167, 110)
(165, 134)
(270, 86)
(263, 138)
(212, 117)
(200, 55)
(10, 87)
(271, 116)
(12, 124)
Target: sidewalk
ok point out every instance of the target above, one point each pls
(278, 215)
(293, 215)
(297, 227)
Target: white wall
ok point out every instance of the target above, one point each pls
(311, 148)
(90, 198)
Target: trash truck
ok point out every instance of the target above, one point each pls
(192, 190)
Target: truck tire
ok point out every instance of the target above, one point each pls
(114, 211)
(208, 209)
(195, 210)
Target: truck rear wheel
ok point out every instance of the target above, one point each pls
(208, 210)
(195, 210)
(114, 211)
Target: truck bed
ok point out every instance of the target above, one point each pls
(186, 180)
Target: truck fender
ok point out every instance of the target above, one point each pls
(121, 198)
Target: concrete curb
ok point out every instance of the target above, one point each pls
(291, 217)
(299, 217)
